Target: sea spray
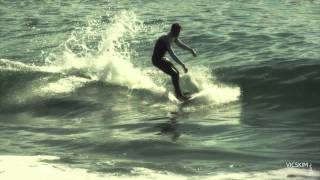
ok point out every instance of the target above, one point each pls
(209, 88)
(111, 62)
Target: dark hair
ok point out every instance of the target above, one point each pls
(175, 29)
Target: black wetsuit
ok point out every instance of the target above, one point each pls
(167, 67)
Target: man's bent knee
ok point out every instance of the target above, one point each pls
(164, 59)
(175, 74)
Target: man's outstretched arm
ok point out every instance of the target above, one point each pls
(174, 56)
(185, 47)
(176, 59)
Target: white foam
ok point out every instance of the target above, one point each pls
(9, 65)
(210, 91)
(31, 168)
(112, 60)
(63, 85)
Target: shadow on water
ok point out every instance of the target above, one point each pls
(170, 127)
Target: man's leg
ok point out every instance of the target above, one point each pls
(168, 68)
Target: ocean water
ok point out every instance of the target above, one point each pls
(77, 84)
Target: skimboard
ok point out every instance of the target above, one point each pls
(195, 98)
(190, 96)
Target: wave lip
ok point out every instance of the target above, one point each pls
(292, 83)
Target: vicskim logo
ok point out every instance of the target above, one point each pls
(294, 164)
